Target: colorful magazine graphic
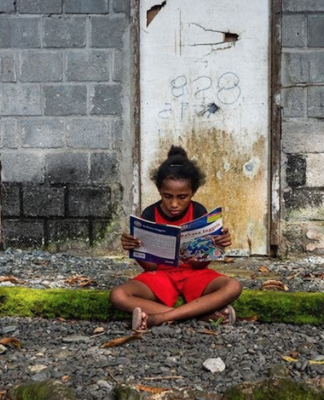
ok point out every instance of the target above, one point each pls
(170, 244)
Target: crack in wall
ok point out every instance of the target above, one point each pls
(153, 12)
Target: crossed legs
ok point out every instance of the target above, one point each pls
(219, 293)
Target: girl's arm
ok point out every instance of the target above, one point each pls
(129, 242)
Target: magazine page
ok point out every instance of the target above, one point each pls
(160, 243)
(197, 238)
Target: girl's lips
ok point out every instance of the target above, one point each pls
(173, 212)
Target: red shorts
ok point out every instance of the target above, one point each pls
(168, 285)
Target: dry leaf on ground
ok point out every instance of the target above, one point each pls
(80, 280)
(121, 341)
(289, 359)
(263, 269)
(150, 389)
(2, 394)
(253, 318)
(11, 279)
(99, 329)
(15, 342)
(65, 378)
(274, 285)
(294, 354)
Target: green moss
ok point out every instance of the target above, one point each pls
(296, 308)
(273, 389)
(45, 390)
(292, 308)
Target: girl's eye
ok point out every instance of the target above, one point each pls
(183, 197)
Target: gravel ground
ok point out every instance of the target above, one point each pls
(169, 356)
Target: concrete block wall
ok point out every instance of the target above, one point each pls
(303, 126)
(65, 122)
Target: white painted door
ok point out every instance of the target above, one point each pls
(205, 73)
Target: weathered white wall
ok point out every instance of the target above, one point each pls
(205, 90)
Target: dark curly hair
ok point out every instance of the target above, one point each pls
(178, 167)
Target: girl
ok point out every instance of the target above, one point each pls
(151, 295)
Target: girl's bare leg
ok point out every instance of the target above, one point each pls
(219, 293)
(136, 294)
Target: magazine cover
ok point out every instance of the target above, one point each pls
(160, 243)
(197, 238)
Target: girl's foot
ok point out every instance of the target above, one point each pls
(139, 320)
(227, 314)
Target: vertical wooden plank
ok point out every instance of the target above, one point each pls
(275, 124)
(136, 101)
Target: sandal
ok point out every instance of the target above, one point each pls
(136, 318)
(231, 314)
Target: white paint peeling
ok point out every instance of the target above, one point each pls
(251, 168)
(219, 175)
(227, 166)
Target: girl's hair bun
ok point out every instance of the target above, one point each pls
(177, 151)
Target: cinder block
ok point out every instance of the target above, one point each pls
(108, 31)
(294, 238)
(41, 66)
(23, 234)
(42, 133)
(40, 6)
(303, 137)
(293, 30)
(23, 167)
(10, 200)
(100, 229)
(93, 65)
(7, 6)
(118, 66)
(20, 100)
(67, 168)
(8, 67)
(296, 170)
(315, 103)
(65, 100)
(103, 168)
(87, 6)
(9, 133)
(67, 230)
(294, 102)
(315, 170)
(89, 202)
(121, 6)
(64, 32)
(302, 204)
(89, 133)
(315, 35)
(305, 67)
(43, 201)
(20, 32)
(106, 100)
(303, 5)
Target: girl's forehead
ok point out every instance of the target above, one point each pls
(176, 184)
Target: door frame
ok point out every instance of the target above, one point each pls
(274, 233)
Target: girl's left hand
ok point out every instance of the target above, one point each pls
(224, 239)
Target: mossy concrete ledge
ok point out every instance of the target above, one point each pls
(290, 308)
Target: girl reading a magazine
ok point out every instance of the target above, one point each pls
(151, 296)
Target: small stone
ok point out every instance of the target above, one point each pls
(8, 329)
(214, 365)
(37, 368)
(3, 349)
(76, 339)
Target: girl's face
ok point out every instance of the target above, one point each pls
(175, 196)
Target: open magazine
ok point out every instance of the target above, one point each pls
(170, 244)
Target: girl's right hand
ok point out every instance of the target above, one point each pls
(129, 242)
